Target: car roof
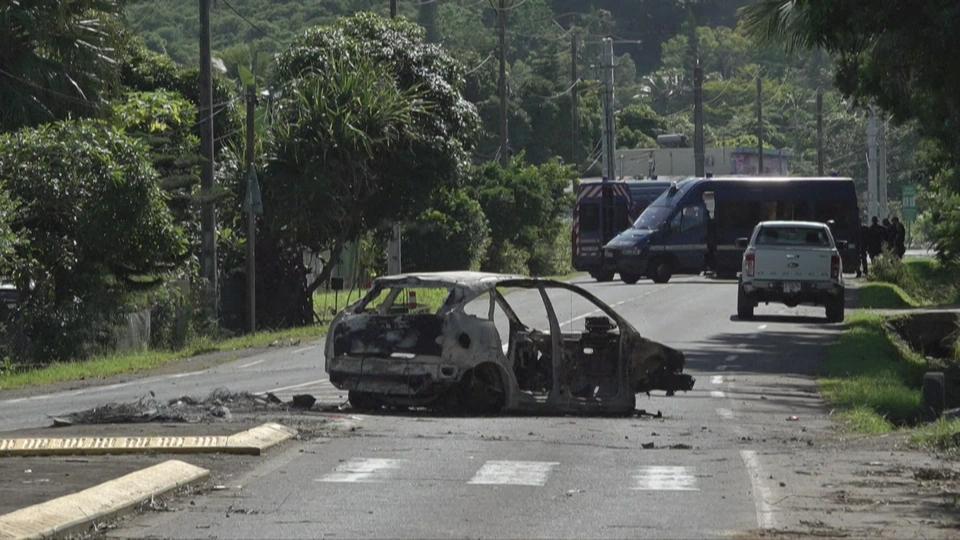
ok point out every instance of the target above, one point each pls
(474, 281)
(807, 224)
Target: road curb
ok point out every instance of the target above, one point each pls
(79, 510)
(250, 442)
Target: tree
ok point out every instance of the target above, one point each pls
(370, 123)
(526, 206)
(94, 226)
(898, 56)
(55, 59)
(453, 234)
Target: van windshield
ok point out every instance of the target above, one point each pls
(652, 217)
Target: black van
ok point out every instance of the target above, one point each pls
(694, 225)
(626, 199)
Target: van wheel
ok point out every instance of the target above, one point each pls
(661, 270)
(481, 390)
(363, 401)
(603, 276)
(744, 305)
(629, 279)
(835, 309)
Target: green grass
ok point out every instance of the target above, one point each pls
(882, 295)
(920, 282)
(940, 435)
(126, 363)
(866, 372)
(864, 420)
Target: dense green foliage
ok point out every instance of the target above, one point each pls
(93, 225)
(899, 56)
(55, 58)
(525, 241)
(453, 234)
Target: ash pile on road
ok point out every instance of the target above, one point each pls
(218, 406)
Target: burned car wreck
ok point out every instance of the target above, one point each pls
(452, 340)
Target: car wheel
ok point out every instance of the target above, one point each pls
(363, 401)
(629, 279)
(835, 309)
(481, 390)
(744, 304)
(602, 276)
(661, 270)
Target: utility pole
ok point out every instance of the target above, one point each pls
(574, 99)
(394, 245)
(759, 125)
(502, 82)
(609, 123)
(251, 216)
(882, 168)
(873, 206)
(428, 19)
(698, 120)
(393, 9)
(208, 216)
(819, 132)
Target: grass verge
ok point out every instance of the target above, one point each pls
(872, 380)
(882, 295)
(118, 364)
(942, 435)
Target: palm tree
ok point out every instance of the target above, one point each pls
(786, 22)
(55, 58)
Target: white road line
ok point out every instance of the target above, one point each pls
(717, 394)
(762, 327)
(761, 493)
(730, 358)
(726, 414)
(304, 349)
(292, 386)
(620, 303)
(514, 473)
(182, 375)
(665, 478)
(362, 470)
(722, 367)
(716, 379)
(255, 362)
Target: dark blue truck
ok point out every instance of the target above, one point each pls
(694, 225)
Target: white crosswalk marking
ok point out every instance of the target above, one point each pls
(717, 394)
(363, 470)
(665, 478)
(514, 473)
(716, 379)
(726, 414)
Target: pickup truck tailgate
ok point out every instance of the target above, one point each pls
(788, 264)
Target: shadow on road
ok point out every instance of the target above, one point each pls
(777, 352)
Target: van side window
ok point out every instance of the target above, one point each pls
(693, 217)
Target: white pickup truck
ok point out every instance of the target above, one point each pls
(791, 262)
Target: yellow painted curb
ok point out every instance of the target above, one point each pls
(61, 515)
(252, 442)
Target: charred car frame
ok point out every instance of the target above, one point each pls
(471, 351)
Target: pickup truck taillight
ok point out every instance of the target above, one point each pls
(835, 267)
(751, 263)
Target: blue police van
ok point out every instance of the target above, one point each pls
(694, 225)
(602, 210)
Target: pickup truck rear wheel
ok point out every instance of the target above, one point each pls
(744, 305)
(835, 309)
(363, 401)
(661, 270)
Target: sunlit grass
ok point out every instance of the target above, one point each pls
(127, 363)
(940, 435)
(882, 295)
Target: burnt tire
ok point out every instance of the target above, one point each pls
(745, 305)
(481, 391)
(363, 401)
(629, 279)
(661, 270)
(603, 277)
(835, 309)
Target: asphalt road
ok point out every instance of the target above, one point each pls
(714, 469)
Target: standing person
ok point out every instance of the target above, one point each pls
(875, 239)
(862, 250)
(900, 237)
(887, 242)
